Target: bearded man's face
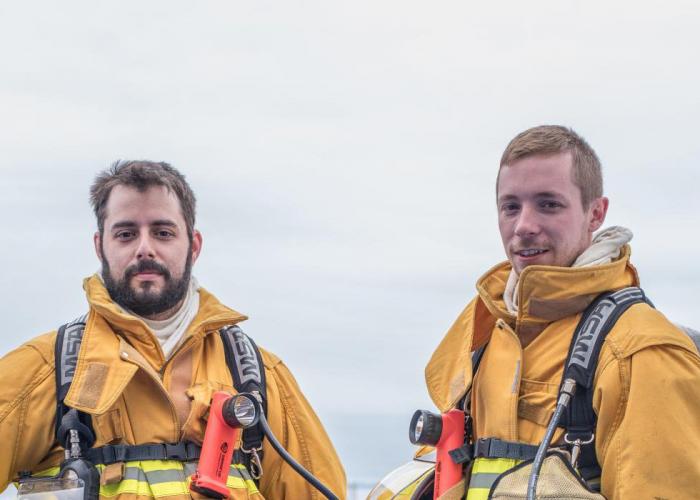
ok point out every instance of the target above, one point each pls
(145, 250)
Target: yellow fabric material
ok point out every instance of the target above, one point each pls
(483, 474)
(647, 384)
(134, 403)
(238, 479)
(556, 482)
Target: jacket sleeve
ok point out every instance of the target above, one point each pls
(299, 430)
(648, 431)
(27, 410)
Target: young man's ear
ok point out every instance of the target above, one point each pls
(98, 246)
(597, 212)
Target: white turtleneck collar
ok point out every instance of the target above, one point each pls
(171, 331)
(604, 248)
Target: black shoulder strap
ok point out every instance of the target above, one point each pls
(245, 363)
(68, 340)
(595, 324)
(242, 358)
(476, 357)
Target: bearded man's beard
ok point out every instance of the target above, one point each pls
(144, 301)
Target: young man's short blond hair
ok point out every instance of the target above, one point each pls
(553, 139)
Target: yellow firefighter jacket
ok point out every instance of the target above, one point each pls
(647, 384)
(135, 396)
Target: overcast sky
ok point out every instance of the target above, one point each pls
(344, 158)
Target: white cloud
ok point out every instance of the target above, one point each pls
(343, 155)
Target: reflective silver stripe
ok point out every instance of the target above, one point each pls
(483, 479)
(591, 330)
(190, 468)
(627, 295)
(134, 473)
(165, 476)
(72, 338)
(170, 475)
(245, 357)
(242, 473)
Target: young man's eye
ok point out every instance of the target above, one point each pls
(550, 205)
(509, 208)
(164, 234)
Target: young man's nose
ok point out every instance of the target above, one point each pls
(527, 223)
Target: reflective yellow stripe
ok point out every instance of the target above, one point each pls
(48, 472)
(239, 479)
(484, 473)
(154, 478)
(162, 478)
(491, 465)
(153, 465)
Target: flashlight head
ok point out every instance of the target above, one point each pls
(425, 428)
(241, 410)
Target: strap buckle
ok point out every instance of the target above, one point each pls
(256, 468)
(576, 446)
(462, 455)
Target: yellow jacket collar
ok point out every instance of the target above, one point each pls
(549, 293)
(102, 373)
(546, 294)
(212, 314)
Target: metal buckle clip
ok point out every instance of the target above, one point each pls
(256, 469)
(576, 447)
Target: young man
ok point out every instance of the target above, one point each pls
(151, 357)
(646, 393)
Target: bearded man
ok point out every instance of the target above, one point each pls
(150, 359)
(645, 398)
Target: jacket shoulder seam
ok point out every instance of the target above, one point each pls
(42, 374)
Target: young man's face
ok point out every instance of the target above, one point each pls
(540, 215)
(145, 251)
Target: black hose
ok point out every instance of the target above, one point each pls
(568, 389)
(290, 460)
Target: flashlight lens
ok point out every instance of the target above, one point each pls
(241, 411)
(425, 428)
(244, 409)
(418, 429)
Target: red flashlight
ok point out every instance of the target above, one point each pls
(446, 433)
(227, 416)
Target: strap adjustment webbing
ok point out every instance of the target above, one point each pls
(110, 454)
(497, 448)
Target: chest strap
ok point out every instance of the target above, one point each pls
(493, 448)
(111, 454)
(497, 448)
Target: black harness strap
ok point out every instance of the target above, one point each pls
(245, 363)
(243, 360)
(68, 341)
(497, 448)
(580, 420)
(110, 454)
(596, 322)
